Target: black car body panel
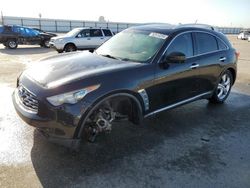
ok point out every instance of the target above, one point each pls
(45, 32)
(154, 86)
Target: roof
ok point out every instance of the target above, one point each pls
(167, 29)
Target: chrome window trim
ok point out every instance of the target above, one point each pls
(227, 47)
(177, 104)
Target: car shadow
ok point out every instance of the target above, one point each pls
(26, 50)
(56, 166)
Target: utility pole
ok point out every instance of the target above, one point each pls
(2, 18)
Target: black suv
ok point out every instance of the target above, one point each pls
(11, 36)
(139, 72)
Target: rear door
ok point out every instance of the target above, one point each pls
(107, 34)
(96, 38)
(211, 52)
(32, 36)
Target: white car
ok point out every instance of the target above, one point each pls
(80, 39)
(244, 35)
(248, 39)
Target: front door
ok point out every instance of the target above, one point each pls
(176, 82)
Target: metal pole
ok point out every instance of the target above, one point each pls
(70, 26)
(117, 28)
(56, 25)
(21, 21)
(2, 18)
(40, 24)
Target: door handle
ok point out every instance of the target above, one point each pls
(88, 38)
(222, 59)
(194, 66)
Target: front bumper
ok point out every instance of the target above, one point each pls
(56, 46)
(59, 125)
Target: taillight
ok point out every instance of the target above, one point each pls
(237, 54)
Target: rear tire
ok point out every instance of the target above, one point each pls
(223, 88)
(12, 44)
(70, 48)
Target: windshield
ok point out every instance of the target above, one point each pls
(73, 32)
(132, 45)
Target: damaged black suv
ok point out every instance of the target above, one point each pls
(137, 73)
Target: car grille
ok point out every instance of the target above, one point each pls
(27, 99)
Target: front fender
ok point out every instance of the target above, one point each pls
(132, 95)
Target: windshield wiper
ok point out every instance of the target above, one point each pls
(110, 56)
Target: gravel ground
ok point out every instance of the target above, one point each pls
(196, 145)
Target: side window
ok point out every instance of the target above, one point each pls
(95, 33)
(15, 29)
(30, 32)
(205, 43)
(84, 33)
(221, 45)
(1, 29)
(22, 31)
(107, 32)
(182, 43)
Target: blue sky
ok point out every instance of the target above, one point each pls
(214, 12)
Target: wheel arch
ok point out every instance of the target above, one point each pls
(233, 72)
(69, 43)
(133, 96)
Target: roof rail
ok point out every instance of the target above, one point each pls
(204, 26)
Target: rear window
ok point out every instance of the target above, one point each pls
(221, 45)
(107, 32)
(205, 43)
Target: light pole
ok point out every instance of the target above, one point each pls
(40, 16)
(2, 18)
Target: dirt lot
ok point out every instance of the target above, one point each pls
(197, 145)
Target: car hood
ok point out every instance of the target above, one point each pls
(48, 35)
(60, 37)
(62, 69)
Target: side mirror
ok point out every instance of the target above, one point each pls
(79, 35)
(175, 57)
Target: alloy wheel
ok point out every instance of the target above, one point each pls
(224, 86)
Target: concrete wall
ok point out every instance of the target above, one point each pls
(58, 25)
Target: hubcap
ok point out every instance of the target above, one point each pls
(46, 43)
(70, 49)
(223, 87)
(12, 44)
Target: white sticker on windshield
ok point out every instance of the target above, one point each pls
(158, 35)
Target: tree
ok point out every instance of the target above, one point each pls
(101, 19)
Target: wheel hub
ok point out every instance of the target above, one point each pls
(223, 87)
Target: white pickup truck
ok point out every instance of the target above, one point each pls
(80, 39)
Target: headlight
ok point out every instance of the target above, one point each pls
(71, 97)
(59, 40)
